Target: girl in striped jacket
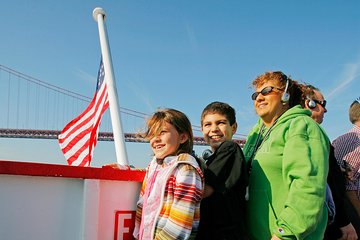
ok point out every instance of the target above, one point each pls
(169, 203)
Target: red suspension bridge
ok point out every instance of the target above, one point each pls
(29, 104)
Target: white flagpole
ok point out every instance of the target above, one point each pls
(121, 155)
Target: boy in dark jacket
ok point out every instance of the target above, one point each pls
(222, 210)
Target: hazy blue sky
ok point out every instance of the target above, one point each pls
(183, 55)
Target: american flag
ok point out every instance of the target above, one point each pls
(78, 138)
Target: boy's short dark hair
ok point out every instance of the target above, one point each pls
(220, 108)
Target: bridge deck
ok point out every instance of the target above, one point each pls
(103, 136)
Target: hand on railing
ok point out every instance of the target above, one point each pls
(120, 166)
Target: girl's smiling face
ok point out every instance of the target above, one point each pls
(167, 141)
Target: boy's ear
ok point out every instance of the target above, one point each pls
(234, 128)
(183, 137)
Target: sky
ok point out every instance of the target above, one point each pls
(182, 55)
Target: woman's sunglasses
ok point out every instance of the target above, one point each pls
(265, 91)
(321, 103)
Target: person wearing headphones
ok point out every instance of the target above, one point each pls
(286, 153)
(341, 228)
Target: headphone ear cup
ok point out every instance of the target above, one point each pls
(311, 104)
(285, 97)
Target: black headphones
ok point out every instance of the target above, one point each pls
(311, 103)
(286, 96)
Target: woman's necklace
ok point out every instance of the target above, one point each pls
(258, 143)
(260, 140)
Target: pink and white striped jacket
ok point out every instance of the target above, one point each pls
(169, 203)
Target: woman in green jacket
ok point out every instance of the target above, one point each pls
(287, 154)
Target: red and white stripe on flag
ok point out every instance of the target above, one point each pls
(78, 138)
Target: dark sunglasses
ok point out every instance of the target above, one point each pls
(265, 91)
(321, 103)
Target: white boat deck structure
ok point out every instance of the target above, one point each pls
(47, 201)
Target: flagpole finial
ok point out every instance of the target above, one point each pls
(97, 11)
